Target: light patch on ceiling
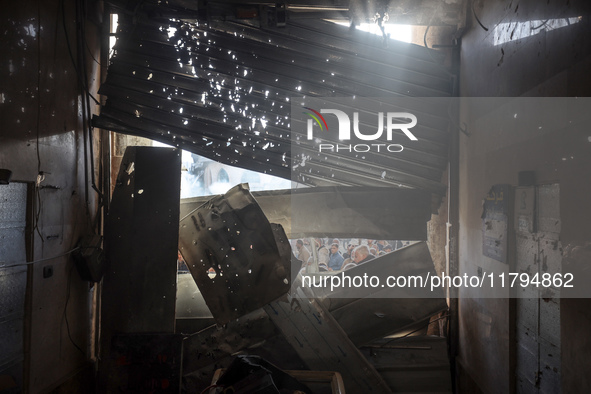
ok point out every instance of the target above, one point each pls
(393, 31)
(512, 31)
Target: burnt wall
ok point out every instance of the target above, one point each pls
(44, 142)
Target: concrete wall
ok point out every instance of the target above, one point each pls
(494, 153)
(42, 131)
(548, 63)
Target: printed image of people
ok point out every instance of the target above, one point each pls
(340, 254)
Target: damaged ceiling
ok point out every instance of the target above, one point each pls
(218, 80)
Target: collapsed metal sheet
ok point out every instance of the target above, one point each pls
(368, 313)
(363, 212)
(321, 343)
(223, 89)
(413, 263)
(367, 317)
(412, 364)
(232, 252)
(328, 340)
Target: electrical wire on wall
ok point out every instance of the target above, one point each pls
(79, 62)
(24, 263)
(476, 16)
(40, 175)
(80, 66)
(66, 313)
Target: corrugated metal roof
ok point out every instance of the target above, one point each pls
(223, 90)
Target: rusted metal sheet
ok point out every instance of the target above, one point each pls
(232, 253)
